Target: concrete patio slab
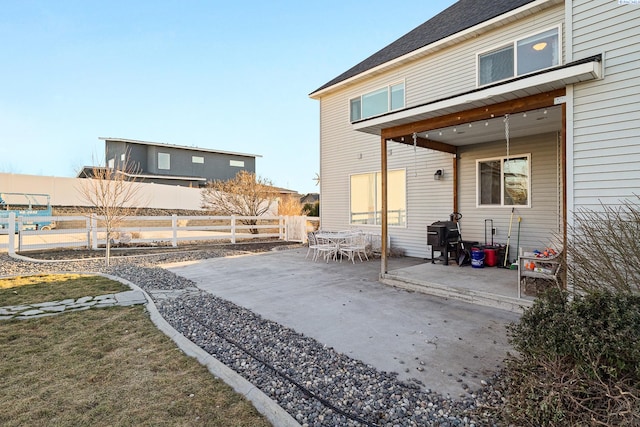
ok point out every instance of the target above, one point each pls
(443, 343)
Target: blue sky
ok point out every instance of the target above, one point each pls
(232, 76)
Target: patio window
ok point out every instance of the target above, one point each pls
(520, 57)
(377, 102)
(504, 182)
(366, 198)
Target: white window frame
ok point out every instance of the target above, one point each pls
(502, 160)
(236, 163)
(514, 45)
(161, 162)
(378, 223)
(389, 109)
(197, 159)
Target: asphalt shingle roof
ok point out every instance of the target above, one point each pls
(457, 17)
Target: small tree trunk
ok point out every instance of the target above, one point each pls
(108, 250)
(253, 222)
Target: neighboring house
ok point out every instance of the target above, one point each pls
(310, 198)
(486, 107)
(174, 164)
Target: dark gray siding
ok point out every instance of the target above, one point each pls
(211, 165)
(216, 166)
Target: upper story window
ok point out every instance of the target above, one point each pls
(164, 161)
(378, 102)
(197, 159)
(520, 57)
(236, 163)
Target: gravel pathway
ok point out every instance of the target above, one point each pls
(314, 383)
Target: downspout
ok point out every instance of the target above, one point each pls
(563, 175)
(385, 231)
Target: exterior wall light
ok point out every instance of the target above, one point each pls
(438, 175)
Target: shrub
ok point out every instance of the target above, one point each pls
(604, 248)
(578, 361)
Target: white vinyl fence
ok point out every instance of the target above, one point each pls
(89, 232)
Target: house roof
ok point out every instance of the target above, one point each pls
(310, 198)
(458, 17)
(161, 144)
(283, 190)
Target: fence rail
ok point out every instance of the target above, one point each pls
(90, 232)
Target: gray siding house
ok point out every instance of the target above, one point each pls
(176, 164)
(528, 106)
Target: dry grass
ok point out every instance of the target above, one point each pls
(108, 367)
(54, 287)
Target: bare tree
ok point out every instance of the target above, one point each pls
(113, 194)
(289, 205)
(604, 250)
(244, 195)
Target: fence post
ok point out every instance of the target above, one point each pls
(289, 223)
(303, 229)
(283, 224)
(233, 229)
(11, 228)
(174, 227)
(94, 232)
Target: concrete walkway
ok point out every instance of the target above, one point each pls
(446, 345)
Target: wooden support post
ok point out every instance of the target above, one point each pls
(384, 228)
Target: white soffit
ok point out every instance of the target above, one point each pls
(538, 83)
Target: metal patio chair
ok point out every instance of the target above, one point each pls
(356, 244)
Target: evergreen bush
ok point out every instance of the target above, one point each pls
(577, 361)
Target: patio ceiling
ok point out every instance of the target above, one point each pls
(542, 120)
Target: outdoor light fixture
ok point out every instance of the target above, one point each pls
(438, 175)
(539, 46)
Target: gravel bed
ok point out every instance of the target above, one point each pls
(315, 384)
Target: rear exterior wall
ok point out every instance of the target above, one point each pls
(606, 113)
(344, 151)
(541, 222)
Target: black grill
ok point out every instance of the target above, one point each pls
(443, 237)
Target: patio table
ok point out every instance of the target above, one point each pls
(335, 238)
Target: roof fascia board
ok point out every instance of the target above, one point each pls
(182, 147)
(440, 44)
(168, 177)
(573, 74)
